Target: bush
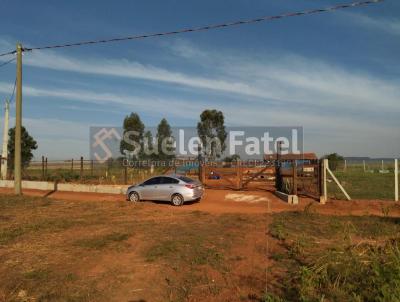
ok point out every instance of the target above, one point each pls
(334, 160)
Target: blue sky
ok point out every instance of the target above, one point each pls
(336, 74)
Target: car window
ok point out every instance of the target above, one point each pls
(186, 179)
(153, 181)
(169, 180)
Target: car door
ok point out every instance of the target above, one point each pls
(167, 188)
(150, 188)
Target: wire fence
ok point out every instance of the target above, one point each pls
(89, 171)
(364, 179)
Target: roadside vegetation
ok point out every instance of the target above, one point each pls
(334, 258)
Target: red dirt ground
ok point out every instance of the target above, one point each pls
(250, 263)
(215, 201)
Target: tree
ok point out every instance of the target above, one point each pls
(149, 146)
(27, 145)
(212, 133)
(132, 141)
(334, 160)
(165, 141)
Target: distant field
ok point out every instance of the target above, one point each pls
(363, 185)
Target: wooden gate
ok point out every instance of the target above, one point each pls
(299, 177)
(238, 176)
(309, 179)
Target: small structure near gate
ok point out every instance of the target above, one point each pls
(298, 174)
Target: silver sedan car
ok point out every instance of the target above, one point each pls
(174, 188)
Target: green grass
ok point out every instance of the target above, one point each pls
(363, 185)
(9, 234)
(102, 241)
(337, 258)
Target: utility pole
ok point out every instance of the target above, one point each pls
(18, 124)
(396, 180)
(4, 153)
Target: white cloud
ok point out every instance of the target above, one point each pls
(323, 128)
(390, 26)
(288, 79)
(185, 49)
(292, 82)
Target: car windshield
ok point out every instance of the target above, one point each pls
(186, 179)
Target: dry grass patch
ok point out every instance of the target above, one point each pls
(104, 251)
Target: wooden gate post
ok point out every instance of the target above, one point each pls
(324, 198)
(294, 170)
(91, 167)
(72, 165)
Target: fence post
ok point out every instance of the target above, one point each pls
(45, 167)
(81, 169)
(364, 165)
(324, 182)
(319, 177)
(396, 180)
(345, 165)
(238, 175)
(203, 173)
(91, 167)
(72, 165)
(42, 167)
(200, 173)
(125, 174)
(294, 170)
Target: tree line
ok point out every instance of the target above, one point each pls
(211, 125)
(210, 129)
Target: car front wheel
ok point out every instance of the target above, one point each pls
(134, 197)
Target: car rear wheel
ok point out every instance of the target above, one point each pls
(134, 197)
(177, 200)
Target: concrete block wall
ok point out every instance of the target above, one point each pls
(67, 187)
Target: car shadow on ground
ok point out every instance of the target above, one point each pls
(163, 202)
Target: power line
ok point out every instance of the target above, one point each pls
(13, 92)
(8, 53)
(207, 27)
(7, 62)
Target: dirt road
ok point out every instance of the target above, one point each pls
(246, 202)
